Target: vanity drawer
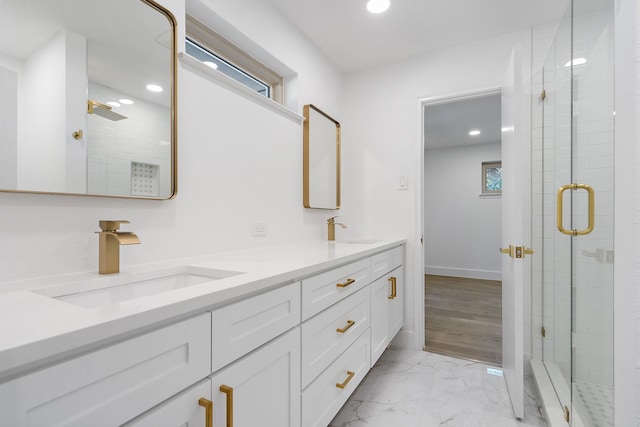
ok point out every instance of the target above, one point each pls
(325, 289)
(327, 335)
(322, 399)
(182, 410)
(244, 326)
(386, 261)
(113, 385)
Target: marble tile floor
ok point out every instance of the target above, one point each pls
(410, 388)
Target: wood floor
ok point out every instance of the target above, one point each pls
(464, 318)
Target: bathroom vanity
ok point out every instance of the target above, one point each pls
(277, 336)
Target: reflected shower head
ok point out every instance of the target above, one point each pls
(103, 110)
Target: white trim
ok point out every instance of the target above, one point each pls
(229, 83)
(463, 272)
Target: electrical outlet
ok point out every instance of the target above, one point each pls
(259, 229)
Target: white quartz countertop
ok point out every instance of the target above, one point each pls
(37, 329)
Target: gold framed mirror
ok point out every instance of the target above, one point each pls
(90, 105)
(321, 159)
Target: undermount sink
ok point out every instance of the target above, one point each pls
(143, 288)
(362, 241)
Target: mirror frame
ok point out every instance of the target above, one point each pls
(174, 120)
(307, 160)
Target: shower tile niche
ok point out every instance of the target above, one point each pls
(144, 179)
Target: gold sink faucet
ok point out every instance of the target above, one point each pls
(332, 227)
(110, 241)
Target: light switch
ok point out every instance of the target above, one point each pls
(403, 182)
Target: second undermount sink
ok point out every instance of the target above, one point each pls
(143, 288)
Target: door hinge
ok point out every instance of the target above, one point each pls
(517, 251)
(543, 95)
(543, 331)
(567, 414)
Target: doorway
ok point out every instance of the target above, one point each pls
(462, 226)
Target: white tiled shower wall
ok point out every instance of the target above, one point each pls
(144, 137)
(592, 164)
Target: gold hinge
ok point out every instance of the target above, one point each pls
(566, 413)
(543, 332)
(517, 251)
(543, 95)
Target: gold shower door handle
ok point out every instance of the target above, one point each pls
(229, 392)
(591, 209)
(208, 407)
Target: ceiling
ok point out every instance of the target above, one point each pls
(354, 39)
(447, 124)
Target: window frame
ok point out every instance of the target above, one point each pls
(222, 48)
(496, 164)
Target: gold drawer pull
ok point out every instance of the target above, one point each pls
(346, 382)
(229, 392)
(208, 407)
(350, 323)
(345, 284)
(393, 288)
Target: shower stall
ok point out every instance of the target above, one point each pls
(572, 276)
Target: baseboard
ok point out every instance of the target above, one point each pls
(463, 272)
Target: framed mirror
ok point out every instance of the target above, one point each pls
(321, 159)
(89, 98)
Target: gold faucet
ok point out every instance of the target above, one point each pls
(110, 241)
(332, 227)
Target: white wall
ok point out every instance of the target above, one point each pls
(462, 230)
(238, 163)
(382, 141)
(8, 127)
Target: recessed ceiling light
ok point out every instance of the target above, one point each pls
(210, 64)
(577, 61)
(154, 88)
(378, 6)
(113, 103)
(474, 132)
(126, 101)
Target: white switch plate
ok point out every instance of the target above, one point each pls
(259, 229)
(403, 182)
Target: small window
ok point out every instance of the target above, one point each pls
(491, 178)
(213, 50)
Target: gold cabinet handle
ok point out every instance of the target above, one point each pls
(346, 382)
(591, 209)
(208, 407)
(393, 288)
(350, 323)
(229, 392)
(345, 284)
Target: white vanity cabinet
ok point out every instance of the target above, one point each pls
(289, 355)
(112, 385)
(262, 388)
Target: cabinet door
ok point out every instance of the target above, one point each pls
(262, 388)
(187, 409)
(396, 304)
(380, 292)
(387, 311)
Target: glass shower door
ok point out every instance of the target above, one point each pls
(577, 213)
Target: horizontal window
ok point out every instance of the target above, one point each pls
(211, 49)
